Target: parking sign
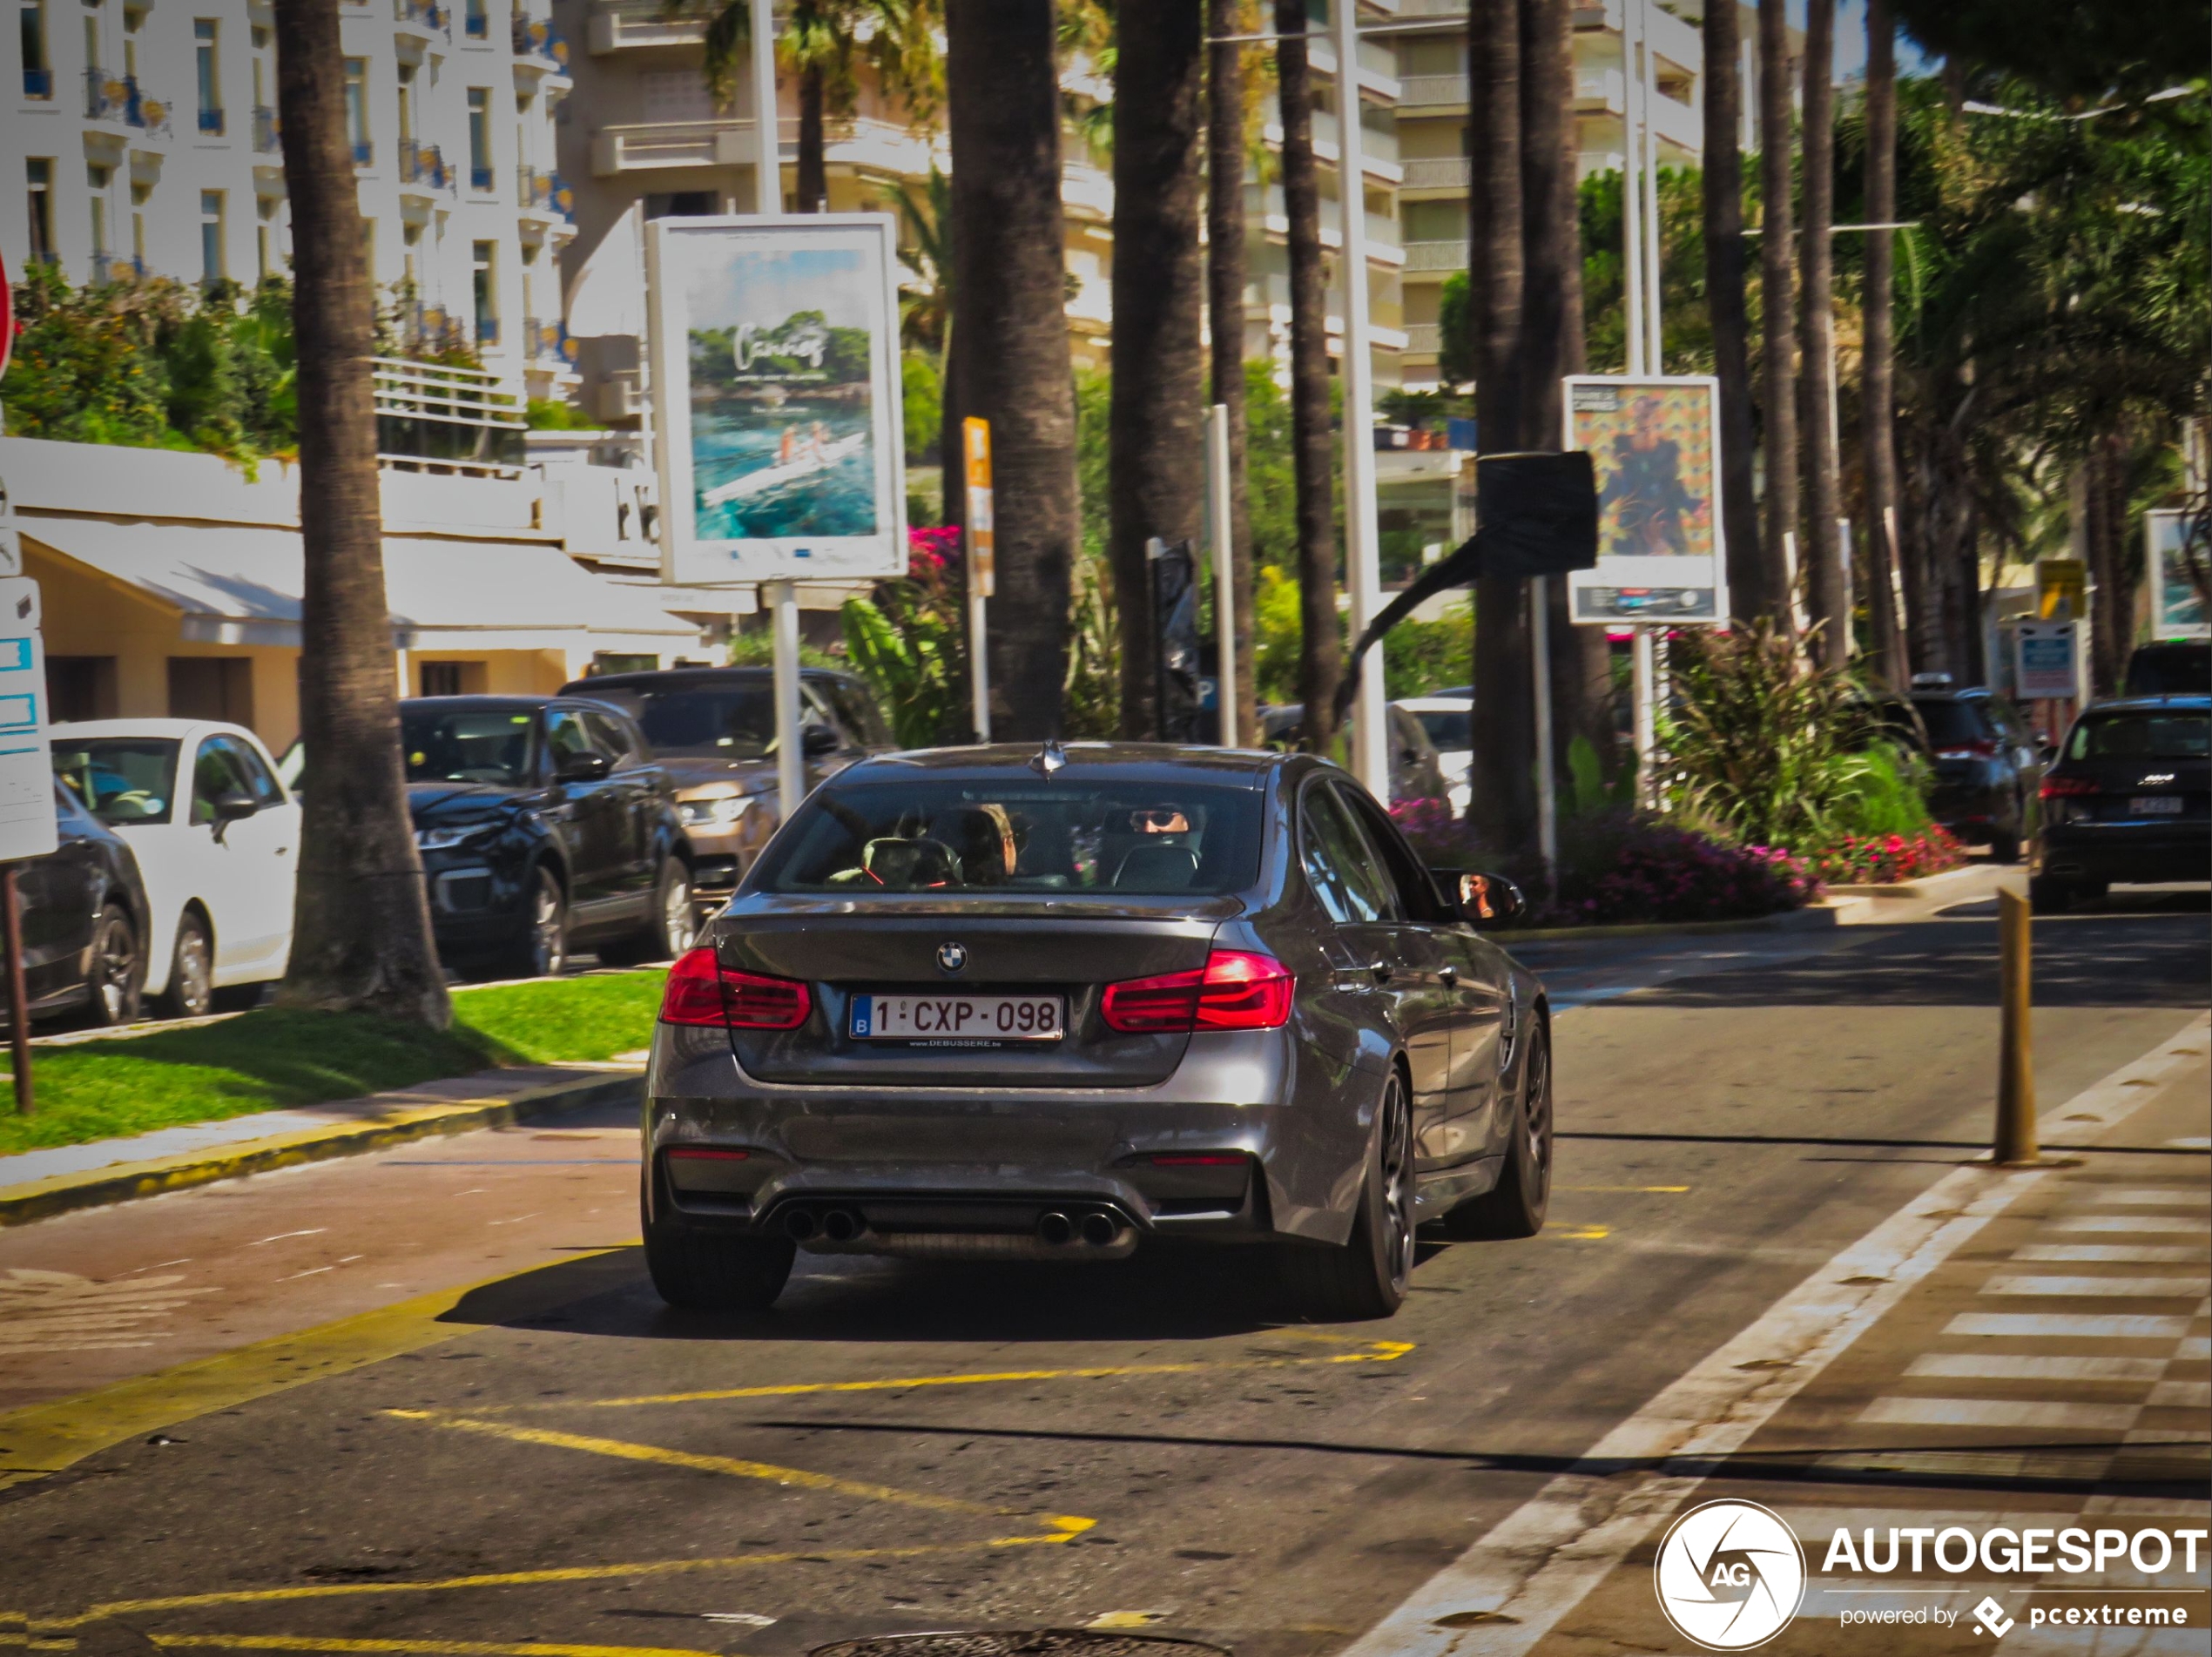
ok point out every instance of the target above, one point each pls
(27, 823)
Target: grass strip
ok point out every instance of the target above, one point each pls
(274, 1057)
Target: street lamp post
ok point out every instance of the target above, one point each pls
(1362, 531)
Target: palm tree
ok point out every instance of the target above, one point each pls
(1225, 320)
(825, 42)
(1155, 440)
(1777, 299)
(361, 930)
(1756, 590)
(1552, 336)
(1320, 649)
(1878, 375)
(1828, 565)
(1503, 771)
(1010, 337)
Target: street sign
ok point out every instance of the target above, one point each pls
(2046, 660)
(1653, 443)
(983, 534)
(27, 821)
(2062, 590)
(2180, 573)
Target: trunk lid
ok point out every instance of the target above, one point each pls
(878, 947)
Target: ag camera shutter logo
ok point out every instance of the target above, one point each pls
(1730, 1575)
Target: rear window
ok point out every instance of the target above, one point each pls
(1447, 728)
(1952, 724)
(734, 722)
(912, 836)
(2141, 736)
(2170, 671)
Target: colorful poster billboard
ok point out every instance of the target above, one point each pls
(775, 393)
(2180, 572)
(1653, 444)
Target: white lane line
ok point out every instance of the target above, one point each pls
(312, 1231)
(2012, 1366)
(2100, 1288)
(2180, 1395)
(1999, 1412)
(2072, 1326)
(312, 1271)
(2162, 1224)
(2159, 1197)
(2195, 1349)
(2106, 1254)
(1543, 1558)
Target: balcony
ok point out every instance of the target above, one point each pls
(38, 83)
(1437, 172)
(1431, 92)
(422, 169)
(542, 195)
(1424, 339)
(116, 101)
(726, 142)
(625, 25)
(1435, 257)
(433, 417)
(422, 19)
(267, 135)
(545, 344)
(538, 50)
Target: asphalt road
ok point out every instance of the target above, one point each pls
(557, 1464)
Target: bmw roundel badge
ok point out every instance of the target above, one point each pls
(952, 957)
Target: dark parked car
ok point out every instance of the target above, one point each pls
(1415, 771)
(2129, 799)
(714, 730)
(1007, 1003)
(544, 823)
(83, 922)
(2180, 667)
(1988, 765)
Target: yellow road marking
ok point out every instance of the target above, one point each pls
(624, 1450)
(523, 1579)
(1376, 1352)
(448, 1647)
(1577, 1233)
(1669, 1190)
(42, 1438)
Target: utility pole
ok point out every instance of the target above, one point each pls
(1362, 529)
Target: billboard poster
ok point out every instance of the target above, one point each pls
(2177, 573)
(775, 372)
(1652, 442)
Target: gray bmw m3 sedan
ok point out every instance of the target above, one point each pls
(1060, 1004)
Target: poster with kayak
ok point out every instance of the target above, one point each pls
(776, 385)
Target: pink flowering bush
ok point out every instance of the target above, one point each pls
(1622, 869)
(933, 554)
(1437, 836)
(1884, 860)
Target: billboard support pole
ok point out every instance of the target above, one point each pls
(1223, 532)
(768, 154)
(782, 598)
(983, 566)
(1646, 726)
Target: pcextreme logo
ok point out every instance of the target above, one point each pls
(1730, 1575)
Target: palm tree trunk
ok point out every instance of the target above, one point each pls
(2112, 615)
(1829, 565)
(361, 929)
(1878, 377)
(814, 163)
(1552, 339)
(1501, 775)
(1777, 301)
(1156, 427)
(1225, 317)
(1010, 336)
(1321, 648)
(1754, 593)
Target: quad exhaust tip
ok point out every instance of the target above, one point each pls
(1098, 1229)
(1055, 1229)
(842, 1225)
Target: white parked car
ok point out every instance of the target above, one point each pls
(1449, 719)
(217, 837)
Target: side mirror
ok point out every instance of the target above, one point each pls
(818, 739)
(229, 807)
(582, 768)
(1489, 900)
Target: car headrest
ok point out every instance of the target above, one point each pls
(1157, 868)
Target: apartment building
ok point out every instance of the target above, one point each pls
(145, 138)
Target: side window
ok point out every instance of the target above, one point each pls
(1409, 878)
(1338, 863)
(609, 736)
(260, 781)
(856, 712)
(565, 736)
(215, 771)
(814, 712)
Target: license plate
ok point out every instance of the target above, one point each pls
(958, 1018)
(2154, 805)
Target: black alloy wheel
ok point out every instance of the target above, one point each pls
(1368, 1276)
(116, 974)
(1515, 1206)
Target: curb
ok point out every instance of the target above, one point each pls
(1814, 918)
(1940, 885)
(127, 1182)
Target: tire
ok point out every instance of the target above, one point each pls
(2049, 897)
(190, 993)
(2004, 846)
(673, 925)
(1514, 1207)
(707, 1272)
(115, 979)
(543, 950)
(1368, 1274)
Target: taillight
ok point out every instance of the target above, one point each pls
(702, 991)
(1236, 989)
(705, 1154)
(2069, 787)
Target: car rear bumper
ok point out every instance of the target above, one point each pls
(2125, 852)
(925, 1171)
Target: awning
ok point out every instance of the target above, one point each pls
(241, 585)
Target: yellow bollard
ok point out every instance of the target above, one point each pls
(2015, 1143)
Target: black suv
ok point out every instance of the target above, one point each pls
(1988, 767)
(543, 821)
(714, 730)
(2129, 799)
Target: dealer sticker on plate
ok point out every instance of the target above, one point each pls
(958, 1018)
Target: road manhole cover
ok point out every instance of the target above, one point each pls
(1020, 1643)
